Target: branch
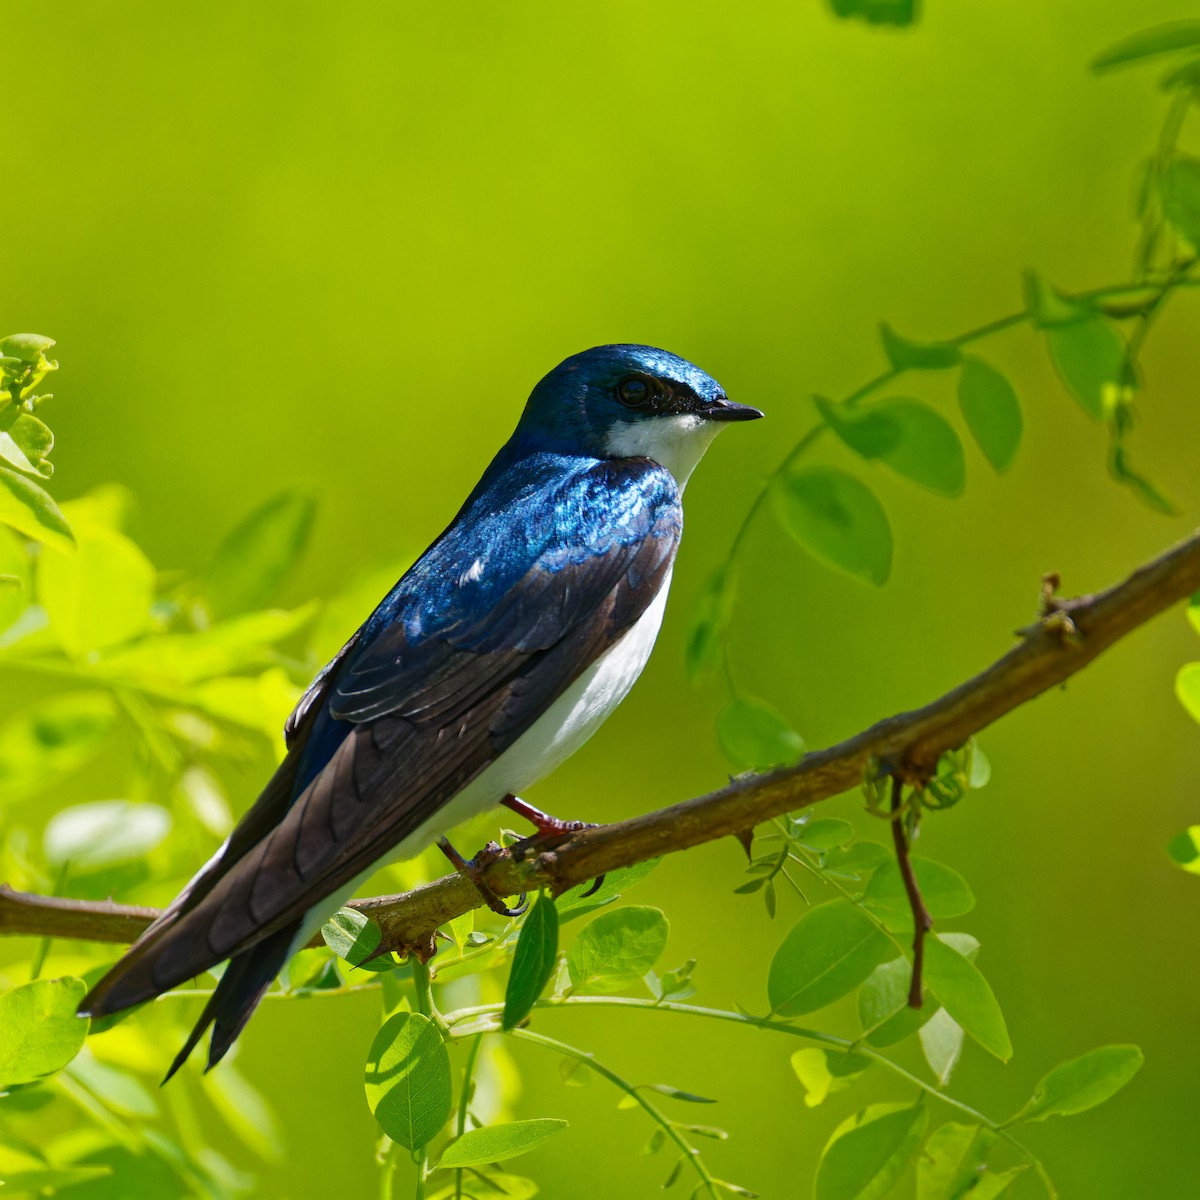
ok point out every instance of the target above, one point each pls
(1069, 635)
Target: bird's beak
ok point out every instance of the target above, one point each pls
(727, 410)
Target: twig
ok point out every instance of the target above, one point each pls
(911, 743)
(922, 921)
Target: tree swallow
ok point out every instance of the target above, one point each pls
(494, 658)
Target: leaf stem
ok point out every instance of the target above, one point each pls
(922, 921)
(464, 1099)
(774, 1024)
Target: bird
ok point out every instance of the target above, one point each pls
(493, 658)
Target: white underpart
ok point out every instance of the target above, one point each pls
(551, 739)
(677, 443)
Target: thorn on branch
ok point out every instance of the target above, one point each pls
(922, 921)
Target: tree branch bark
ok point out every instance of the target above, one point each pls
(1069, 635)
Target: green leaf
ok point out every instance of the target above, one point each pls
(498, 1143)
(823, 1072)
(857, 861)
(1089, 356)
(1184, 849)
(906, 355)
(1148, 43)
(496, 1185)
(944, 890)
(929, 452)
(30, 509)
(28, 347)
(258, 553)
(39, 1182)
(104, 832)
(99, 596)
(39, 1031)
(942, 1043)
(966, 996)
(754, 735)
(46, 742)
(573, 903)
(883, 1009)
(992, 412)
(826, 954)
(877, 12)
(870, 432)
(14, 577)
(615, 949)
(408, 1081)
(32, 441)
(837, 520)
(1082, 1083)
(354, 937)
(534, 961)
(1187, 688)
(1048, 306)
(117, 1090)
(1181, 198)
(709, 621)
(824, 833)
(868, 1153)
(953, 1157)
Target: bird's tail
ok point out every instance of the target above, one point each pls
(246, 978)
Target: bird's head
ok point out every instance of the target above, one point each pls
(630, 401)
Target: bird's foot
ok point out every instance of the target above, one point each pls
(473, 869)
(549, 828)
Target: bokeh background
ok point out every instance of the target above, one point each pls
(289, 244)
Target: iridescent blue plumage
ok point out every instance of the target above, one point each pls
(497, 653)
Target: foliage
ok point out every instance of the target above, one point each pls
(183, 680)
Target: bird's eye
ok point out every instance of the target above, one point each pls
(634, 391)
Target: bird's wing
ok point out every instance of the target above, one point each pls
(495, 621)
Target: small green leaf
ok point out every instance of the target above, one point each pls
(1089, 356)
(497, 1143)
(877, 12)
(1187, 688)
(857, 861)
(754, 735)
(992, 412)
(943, 889)
(953, 1157)
(1181, 198)
(826, 954)
(929, 452)
(46, 742)
(1048, 307)
(868, 1153)
(39, 1031)
(99, 596)
(837, 520)
(496, 1185)
(30, 509)
(823, 1072)
(825, 833)
(104, 832)
(906, 355)
(1148, 43)
(615, 949)
(1082, 1083)
(258, 553)
(942, 1043)
(871, 432)
(710, 619)
(408, 1082)
(32, 441)
(883, 1009)
(966, 996)
(534, 961)
(28, 347)
(1184, 849)
(354, 937)
(573, 903)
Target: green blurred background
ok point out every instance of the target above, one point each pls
(300, 244)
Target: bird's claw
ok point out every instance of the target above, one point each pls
(473, 869)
